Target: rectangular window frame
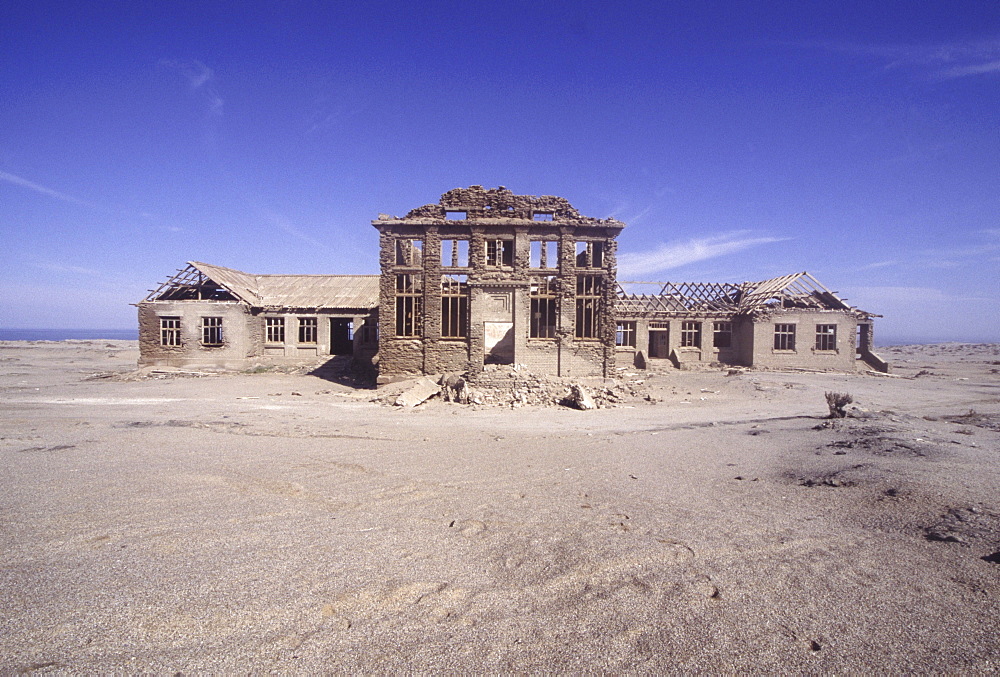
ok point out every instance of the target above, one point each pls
(625, 334)
(543, 299)
(308, 331)
(409, 305)
(722, 334)
(274, 330)
(589, 289)
(826, 337)
(690, 334)
(784, 337)
(499, 253)
(454, 307)
(211, 332)
(170, 331)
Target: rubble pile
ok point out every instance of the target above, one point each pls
(515, 386)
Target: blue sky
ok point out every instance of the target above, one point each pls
(738, 141)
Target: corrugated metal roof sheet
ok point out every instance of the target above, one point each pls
(318, 291)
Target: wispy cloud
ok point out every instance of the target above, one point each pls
(24, 183)
(676, 254)
(287, 226)
(910, 295)
(201, 80)
(61, 268)
(945, 61)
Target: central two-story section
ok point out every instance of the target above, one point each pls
(488, 277)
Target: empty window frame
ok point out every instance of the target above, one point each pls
(826, 337)
(454, 306)
(784, 337)
(690, 334)
(589, 254)
(409, 252)
(544, 254)
(274, 329)
(211, 331)
(625, 334)
(588, 306)
(543, 296)
(456, 215)
(307, 330)
(722, 334)
(170, 331)
(408, 305)
(499, 253)
(541, 216)
(455, 253)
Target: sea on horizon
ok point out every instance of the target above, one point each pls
(68, 334)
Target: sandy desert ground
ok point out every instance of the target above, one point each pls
(280, 522)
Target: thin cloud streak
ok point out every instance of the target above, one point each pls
(24, 183)
(201, 79)
(947, 61)
(677, 254)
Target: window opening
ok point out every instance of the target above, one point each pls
(690, 334)
(541, 216)
(543, 296)
(408, 304)
(170, 331)
(625, 334)
(455, 253)
(826, 337)
(454, 306)
(588, 300)
(211, 331)
(409, 252)
(275, 329)
(307, 330)
(722, 334)
(455, 216)
(499, 253)
(589, 254)
(544, 254)
(784, 337)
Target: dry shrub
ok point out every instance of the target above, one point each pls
(837, 402)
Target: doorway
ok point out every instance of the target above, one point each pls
(341, 336)
(659, 340)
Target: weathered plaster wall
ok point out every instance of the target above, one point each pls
(805, 354)
(238, 338)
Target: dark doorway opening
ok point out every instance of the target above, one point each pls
(341, 336)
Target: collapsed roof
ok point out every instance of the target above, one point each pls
(203, 281)
(798, 290)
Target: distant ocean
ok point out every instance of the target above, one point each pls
(67, 334)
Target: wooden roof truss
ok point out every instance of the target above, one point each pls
(799, 290)
(189, 284)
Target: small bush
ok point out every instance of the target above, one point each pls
(837, 402)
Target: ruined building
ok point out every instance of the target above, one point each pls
(485, 277)
(489, 277)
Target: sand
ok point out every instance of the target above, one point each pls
(273, 522)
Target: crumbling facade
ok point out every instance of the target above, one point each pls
(210, 316)
(488, 277)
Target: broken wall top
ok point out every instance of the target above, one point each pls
(499, 206)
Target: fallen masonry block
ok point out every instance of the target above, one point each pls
(580, 398)
(421, 390)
